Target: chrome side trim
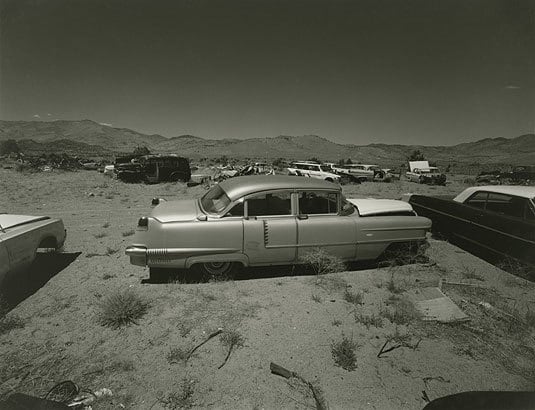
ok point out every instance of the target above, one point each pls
(408, 228)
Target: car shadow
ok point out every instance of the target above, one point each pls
(17, 288)
(187, 276)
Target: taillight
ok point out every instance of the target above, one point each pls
(143, 222)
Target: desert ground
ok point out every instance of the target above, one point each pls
(279, 315)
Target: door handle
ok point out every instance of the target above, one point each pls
(302, 217)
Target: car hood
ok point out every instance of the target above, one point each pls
(176, 211)
(370, 206)
(10, 221)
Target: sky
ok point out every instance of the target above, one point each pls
(433, 72)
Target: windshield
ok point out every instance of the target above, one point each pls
(215, 200)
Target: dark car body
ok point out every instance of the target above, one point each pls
(500, 219)
(153, 168)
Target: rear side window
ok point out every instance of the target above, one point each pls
(318, 202)
(477, 200)
(505, 205)
(270, 204)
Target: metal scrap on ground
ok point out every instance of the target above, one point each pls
(436, 306)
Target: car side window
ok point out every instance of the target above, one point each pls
(236, 210)
(505, 205)
(529, 214)
(318, 202)
(477, 200)
(269, 204)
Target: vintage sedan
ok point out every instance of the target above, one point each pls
(270, 220)
(498, 218)
(22, 236)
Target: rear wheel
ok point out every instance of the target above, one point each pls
(217, 270)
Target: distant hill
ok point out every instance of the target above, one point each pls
(87, 136)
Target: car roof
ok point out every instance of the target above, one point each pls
(516, 190)
(240, 186)
(305, 163)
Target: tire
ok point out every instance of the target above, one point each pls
(177, 176)
(217, 270)
(329, 179)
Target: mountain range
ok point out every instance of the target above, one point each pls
(86, 137)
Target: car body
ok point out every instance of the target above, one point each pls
(361, 172)
(421, 172)
(20, 238)
(496, 218)
(313, 170)
(152, 168)
(270, 220)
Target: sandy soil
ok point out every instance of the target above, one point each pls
(290, 320)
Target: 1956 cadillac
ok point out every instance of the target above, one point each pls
(21, 236)
(270, 220)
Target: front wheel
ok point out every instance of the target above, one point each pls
(217, 270)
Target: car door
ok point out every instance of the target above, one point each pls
(319, 225)
(269, 228)
(509, 225)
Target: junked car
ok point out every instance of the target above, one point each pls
(21, 236)
(313, 170)
(423, 173)
(495, 218)
(270, 220)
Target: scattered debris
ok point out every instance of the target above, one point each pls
(321, 403)
(436, 306)
(210, 336)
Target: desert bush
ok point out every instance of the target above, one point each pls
(316, 298)
(100, 235)
(182, 398)
(355, 298)
(129, 233)
(405, 254)
(343, 352)
(106, 225)
(517, 268)
(470, 273)
(369, 320)
(401, 311)
(178, 355)
(322, 262)
(122, 308)
(110, 251)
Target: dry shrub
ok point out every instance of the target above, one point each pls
(401, 311)
(8, 323)
(182, 398)
(355, 298)
(369, 320)
(343, 352)
(322, 262)
(122, 308)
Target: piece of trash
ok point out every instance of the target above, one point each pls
(103, 392)
(486, 305)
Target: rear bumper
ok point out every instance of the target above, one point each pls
(137, 254)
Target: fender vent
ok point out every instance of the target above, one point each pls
(266, 233)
